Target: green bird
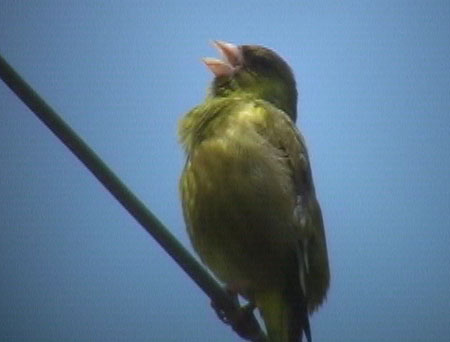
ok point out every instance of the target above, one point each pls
(247, 191)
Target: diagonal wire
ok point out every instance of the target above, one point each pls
(132, 204)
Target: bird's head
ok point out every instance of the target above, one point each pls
(256, 71)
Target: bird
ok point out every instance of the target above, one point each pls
(247, 191)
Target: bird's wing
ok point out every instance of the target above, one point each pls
(312, 251)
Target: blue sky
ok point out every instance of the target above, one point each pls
(374, 80)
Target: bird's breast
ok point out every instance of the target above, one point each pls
(238, 201)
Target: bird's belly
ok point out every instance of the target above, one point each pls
(239, 205)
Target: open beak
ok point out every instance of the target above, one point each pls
(231, 59)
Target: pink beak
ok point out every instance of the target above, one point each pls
(232, 59)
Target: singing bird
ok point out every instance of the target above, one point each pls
(247, 191)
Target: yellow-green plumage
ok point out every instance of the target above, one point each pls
(250, 207)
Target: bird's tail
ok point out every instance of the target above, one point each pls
(285, 314)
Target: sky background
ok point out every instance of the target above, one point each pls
(374, 82)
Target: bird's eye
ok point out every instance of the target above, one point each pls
(261, 63)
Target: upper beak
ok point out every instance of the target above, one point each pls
(232, 59)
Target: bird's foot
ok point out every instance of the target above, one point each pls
(223, 315)
(242, 320)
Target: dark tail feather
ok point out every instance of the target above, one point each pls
(300, 317)
(307, 329)
(296, 294)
